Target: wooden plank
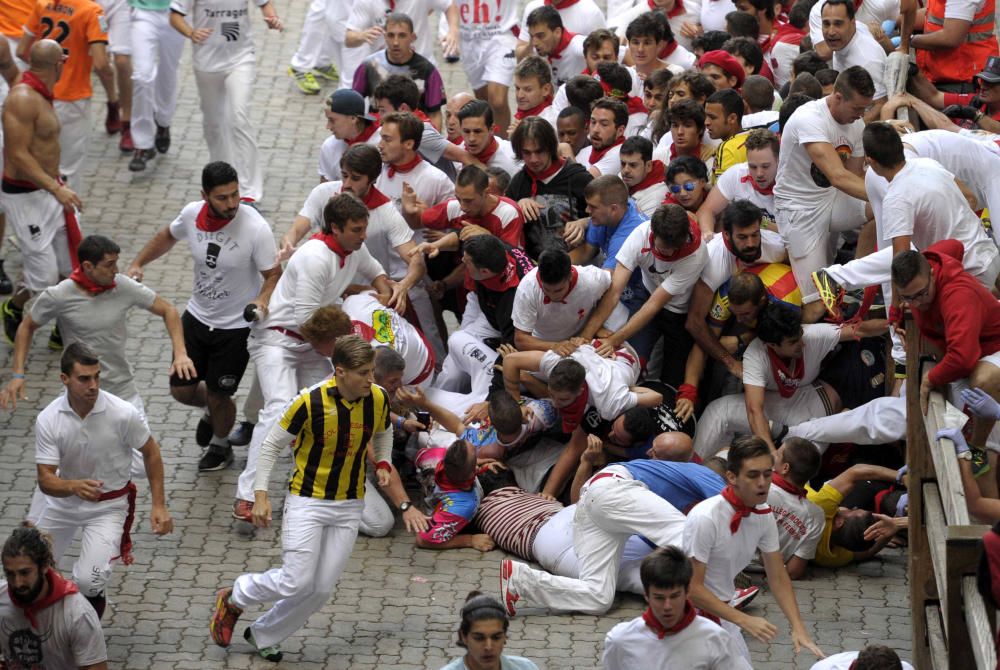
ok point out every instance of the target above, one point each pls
(949, 478)
(962, 559)
(937, 540)
(980, 626)
(936, 651)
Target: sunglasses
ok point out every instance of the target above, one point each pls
(688, 186)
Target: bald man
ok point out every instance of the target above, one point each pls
(452, 125)
(39, 206)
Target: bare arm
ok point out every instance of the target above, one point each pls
(796, 567)
(619, 280)
(22, 343)
(416, 268)
(711, 208)
(161, 243)
(951, 35)
(781, 587)
(840, 176)
(102, 66)
(8, 70)
(701, 302)
(182, 365)
(300, 226)
(705, 600)
(514, 364)
(263, 298)
(754, 399)
(159, 517)
(53, 485)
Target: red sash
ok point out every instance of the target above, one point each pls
(125, 548)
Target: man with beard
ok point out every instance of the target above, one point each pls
(608, 119)
(235, 264)
(742, 244)
(43, 617)
(643, 175)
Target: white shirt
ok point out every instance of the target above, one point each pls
(675, 277)
(332, 150)
(502, 158)
(231, 41)
(608, 379)
(924, 202)
(735, 184)
(68, 634)
(863, 50)
(782, 55)
(430, 184)
(974, 162)
(869, 11)
(819, 339)
(98, 446)
(800, 523)
(384, 327)
(227, 264)
(758, 119)
(649, 198)
(609, 163)
(570, 62)
(619, 23)
(722, 264)
(313, 278)
(843, 661)
(481, 21)
(702, 645)
(708, 540)
(558, 321)
(711, 14)
(795, 187)
(582, 17)
(386, 227)
(365, 14)
(662, 150)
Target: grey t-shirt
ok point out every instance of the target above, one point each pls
(432, 146)
(98, 321)
(68, 634)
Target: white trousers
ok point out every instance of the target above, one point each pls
(156, 54)
(377, 519)
(726, 417)
(424, 309)
(876, 268)
(322, 37)
(74, 135)
(468, 367)
(225, 109)
(38, 220)
(254, 401)
(101, 526)
(553, 550)
(879, 421)
(317, 537)
(610, 510)
(286, 372)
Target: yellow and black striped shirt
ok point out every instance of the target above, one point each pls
(331, 440)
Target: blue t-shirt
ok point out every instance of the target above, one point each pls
(683, 485)
(610, 240)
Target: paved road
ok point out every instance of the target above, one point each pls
(396, 605)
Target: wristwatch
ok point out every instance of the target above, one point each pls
(405, 505)
(965, 455)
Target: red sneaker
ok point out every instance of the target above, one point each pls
(744, 597)
(506, 595)
(125, 145)
(224, 618)
(113, 120)
(242, 510)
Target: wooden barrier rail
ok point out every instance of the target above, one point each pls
(952, 625)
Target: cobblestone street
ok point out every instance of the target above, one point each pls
(396, 606)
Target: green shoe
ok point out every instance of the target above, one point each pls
(55, 339)
(272, 653)
(11, 320)
(304, 80)
(329, 72)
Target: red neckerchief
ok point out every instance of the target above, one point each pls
(596, 155)
(374, 198)
(560, 5)
(31, 80)
(688, 248)
(564, 41)
(553, 168)
(420, 115)
(445, 484)
(572, 414)
(333, 245)
(59, 588)
(392, 5)
(785, 485)
(457, 141)
(504, 281)
(650, 620)
(667, 50)
(656, 175)
(880, 496)
(486, 154)
(678, 8)
(674, 153)
(88, 284)
(742, 510)
(669, 199)
(208, 222)
(365, 135)
(405, 167)
(786, 380)
(788, 34)
(763, 191)
(573, 277)
(534, 111)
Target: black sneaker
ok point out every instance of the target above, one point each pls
(6, 286)
(11, 320)
(55, 339)
(216, 457)
(140, 158)
(162, 141)
(272, 653)
(203, 433)
(242, 434)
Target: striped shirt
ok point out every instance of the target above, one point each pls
(513, 517)
(331, 439)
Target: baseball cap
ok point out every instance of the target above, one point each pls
(349, 103)
(991, 73)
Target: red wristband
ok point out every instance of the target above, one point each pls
(383, 465)
(688, 392)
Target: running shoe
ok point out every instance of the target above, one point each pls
(216, 457)
(224, 618)
(11, 320)
(113, 119)
(328, 72)
(125, 144)
(744, 597)
(242, 511)
(272, 653)
(140, 158)
(507, 596)
(6, 285)
(242, 434)
(162, 140)
(304, 80)
(830, 292)
(55, 339)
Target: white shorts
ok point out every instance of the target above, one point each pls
(119, 17)
(489, 60)
(39, 222)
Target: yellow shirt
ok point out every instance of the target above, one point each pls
(729, 153)
(331, 440)
(829, 499)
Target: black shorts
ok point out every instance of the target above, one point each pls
(220, 356)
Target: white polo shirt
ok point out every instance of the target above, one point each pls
(332, 150)
(818, 339)
(675, 277)
(98, 446)
(386, 227)
(384, 327)
(430, 184)
(558, 321)
(608, 379)
(800, 523)
(701, 645)
(708, 540)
